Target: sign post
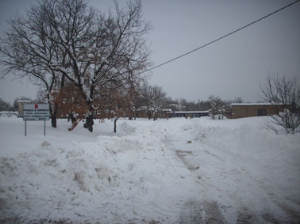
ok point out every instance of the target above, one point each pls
(45, 127)
(25, 127)
(36, 112)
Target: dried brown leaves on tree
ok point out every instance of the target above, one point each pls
(66, 41)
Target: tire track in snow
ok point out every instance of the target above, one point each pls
(196, 211)
(208, 211)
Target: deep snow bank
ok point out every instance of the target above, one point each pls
(250, 172)
(150, 170)
(114, 179)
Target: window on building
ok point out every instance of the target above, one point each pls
(262, 112)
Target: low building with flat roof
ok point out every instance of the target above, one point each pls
(190, 114)
(242, 110)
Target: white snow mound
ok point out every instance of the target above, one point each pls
(167, 171)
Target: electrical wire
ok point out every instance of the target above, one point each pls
(222, 37)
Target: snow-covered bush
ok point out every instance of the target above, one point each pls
(287, 120)
(283, 92)
(8, 113)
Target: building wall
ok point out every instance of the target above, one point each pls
(162, 114)
(21, 106)
(190, 114)
(142, 114)
(241, 111)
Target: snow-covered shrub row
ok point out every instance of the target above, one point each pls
(8, 113)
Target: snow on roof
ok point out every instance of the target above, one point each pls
(151, 108)
(166, 110)
(142, 108)
(250, 104)
(191, 112)
(24, 101)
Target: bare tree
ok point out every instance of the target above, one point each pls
(217, 106)
(158, 101)
(25, 52)
(238, 100)
(282, 92)
(116, 101)
(5, 106)
(153, 97)
(65, 40)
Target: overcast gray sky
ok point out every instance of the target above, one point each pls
(232, 67)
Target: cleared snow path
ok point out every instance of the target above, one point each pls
(242, 175)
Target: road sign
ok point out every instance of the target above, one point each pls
(36, 112)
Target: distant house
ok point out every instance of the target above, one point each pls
(241, 110)
(190, 114)
(164, 113)
(144, 112)
(21, 106)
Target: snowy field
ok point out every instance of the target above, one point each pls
(165, 171)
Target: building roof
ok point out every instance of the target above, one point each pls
(23, 101)
(142, 108)
(251, 104)
(168, 110)
(192, 112)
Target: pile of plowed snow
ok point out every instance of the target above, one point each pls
(149, 171)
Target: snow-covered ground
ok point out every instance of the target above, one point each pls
(165, 171)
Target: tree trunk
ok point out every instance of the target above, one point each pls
(115, 123)
(53, 120)
(53, 114)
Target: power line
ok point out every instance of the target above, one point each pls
(222, 37)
